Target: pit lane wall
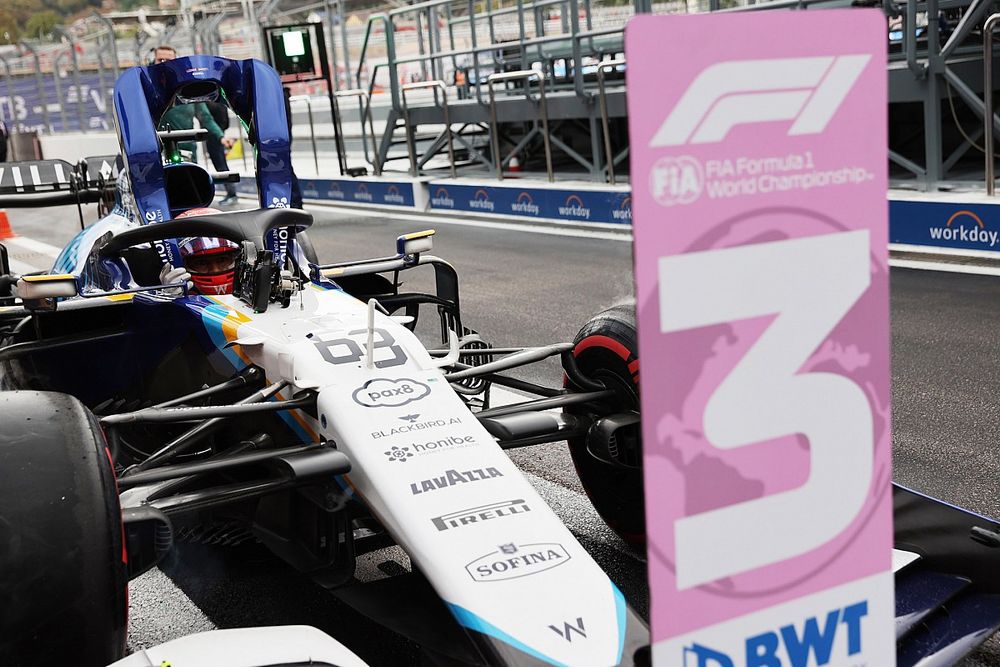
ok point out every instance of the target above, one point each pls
(966, 223)
(513, 198)
(962, 223)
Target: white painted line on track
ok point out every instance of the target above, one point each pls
(953, 252)
(31, 245)
(946, 267)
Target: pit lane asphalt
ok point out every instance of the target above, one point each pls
(532, 289)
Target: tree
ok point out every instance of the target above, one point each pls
(42, 23)
(9, 32)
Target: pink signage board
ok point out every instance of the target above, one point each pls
(760, 222)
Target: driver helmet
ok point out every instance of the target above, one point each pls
(210, 261)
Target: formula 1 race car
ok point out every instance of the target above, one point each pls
(303, 411)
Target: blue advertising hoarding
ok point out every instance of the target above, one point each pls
(523, 200)
(959, 225)
(347, 191)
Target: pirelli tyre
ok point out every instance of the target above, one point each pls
(62, 571)
(607, 350)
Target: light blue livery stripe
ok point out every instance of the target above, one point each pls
(620, 614)
(469, 620)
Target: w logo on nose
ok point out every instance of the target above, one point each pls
(807, 91)
(567, 630)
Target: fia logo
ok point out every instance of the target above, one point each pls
(676, 180)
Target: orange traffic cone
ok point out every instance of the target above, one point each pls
(5, 231)
(514, 166)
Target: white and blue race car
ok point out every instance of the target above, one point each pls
(303, 411)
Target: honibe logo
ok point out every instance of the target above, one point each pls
(806, 91)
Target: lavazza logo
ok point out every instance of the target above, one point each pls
(452, 478)
(385, 393)
(806, 91)
(511, 561)
(814, 643)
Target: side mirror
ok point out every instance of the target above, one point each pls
(411, 245)
(40, 292)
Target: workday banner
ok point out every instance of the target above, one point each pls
(760, 225)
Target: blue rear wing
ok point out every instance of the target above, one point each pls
(253, 91)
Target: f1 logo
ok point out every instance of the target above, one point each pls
(807, 91)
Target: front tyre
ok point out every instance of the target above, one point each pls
(62, 571)
(607, 350)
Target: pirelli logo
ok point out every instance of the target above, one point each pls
(480, 514)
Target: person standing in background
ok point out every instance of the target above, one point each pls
(181, 117)
(217, 149)
(3, 141)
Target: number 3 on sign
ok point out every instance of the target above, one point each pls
(809, 284)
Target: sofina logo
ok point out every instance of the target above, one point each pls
(623, 212)
(524, 204)
(573, 208)
(512, 561)
(481, 201)
(967, 227)
(441, 199)
(334, 191)
(362, 194)
(392, 195)
(807, 91)
(814, 644)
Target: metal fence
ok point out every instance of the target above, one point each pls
(65, 84)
